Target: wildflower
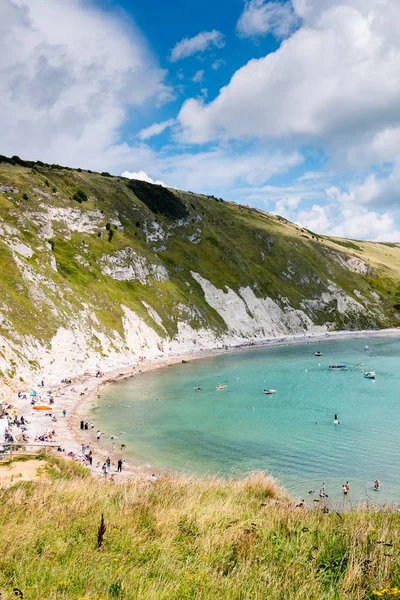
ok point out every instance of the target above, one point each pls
(62, 583)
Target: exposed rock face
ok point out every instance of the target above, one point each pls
(250, 317)
(128, 265)
(352, 263)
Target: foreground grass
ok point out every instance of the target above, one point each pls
(188, 539)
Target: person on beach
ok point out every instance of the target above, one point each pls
(347, 486)
(123, 446)
(153, 478)
(86, 425)
(323, 486)
(344, 489)
(108, 462)
(82, 424)
(64, 412)
(377, 484)
(91, 425)
(113, 447)
(119, 468)
(98, 434)
(104, 469)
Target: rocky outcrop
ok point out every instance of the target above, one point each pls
(128, 265)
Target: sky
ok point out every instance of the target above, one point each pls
(292, 106)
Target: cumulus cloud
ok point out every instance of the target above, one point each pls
(142, 176)
(197, 44)
(69, 74)
(336, 80)
(155, 129)
(261, 17)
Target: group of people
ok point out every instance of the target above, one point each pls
(107, 466)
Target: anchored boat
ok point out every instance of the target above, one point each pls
(370, 375)
(338, 367)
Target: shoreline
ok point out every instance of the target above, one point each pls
(81, 395)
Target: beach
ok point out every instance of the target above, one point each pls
(83, 392)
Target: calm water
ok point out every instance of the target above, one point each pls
(290, 435)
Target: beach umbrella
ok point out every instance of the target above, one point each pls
(33, 393)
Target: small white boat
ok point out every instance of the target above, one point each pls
(370, 375)
(220, 387)
(337, 367)
(318, 353)
(269, 392)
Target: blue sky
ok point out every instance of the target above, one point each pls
(289, 105)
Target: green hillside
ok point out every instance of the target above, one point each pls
(63, 232)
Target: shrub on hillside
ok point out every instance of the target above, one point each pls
(80, 196)
(159, 199)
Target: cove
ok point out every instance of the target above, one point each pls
(291, 435)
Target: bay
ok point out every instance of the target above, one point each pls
(171, 426)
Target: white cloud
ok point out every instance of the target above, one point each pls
(198, 76)
(261, 17)
(142, 176)
(217, 64)
(197, 44)
(335, 82)
(69, 73)
(215, 171)
(155, 129)
(352, 222)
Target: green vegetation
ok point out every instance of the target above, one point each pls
(159, 199)
(193, 539)
(80, 196)
(91, 217)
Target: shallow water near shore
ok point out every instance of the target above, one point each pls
(291, 435)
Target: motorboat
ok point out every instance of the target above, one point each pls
(370, 375)
(318, 353)
(269, 392)
(337, 367)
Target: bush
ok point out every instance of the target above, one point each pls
(54, 189)
(52, 244)
(46, 181)
(159, 199)
(80, 196)
(106, 174)
(108, 226)
(25, 196)
(110, 235)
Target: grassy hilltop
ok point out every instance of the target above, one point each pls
(188, 539)
(79, 247)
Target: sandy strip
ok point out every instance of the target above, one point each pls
(78, 397)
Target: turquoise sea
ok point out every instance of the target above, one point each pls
(291, 435)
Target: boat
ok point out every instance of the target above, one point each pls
(366, 348)
(370, 375)
(337, 367)
(269, 392)
(220, 387)
(318, 353)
